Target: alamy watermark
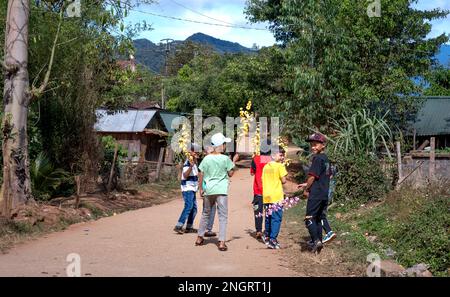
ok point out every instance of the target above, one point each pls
(212, 125)
(74, 267)
(374, 269)
(374, 9)
(73, 9)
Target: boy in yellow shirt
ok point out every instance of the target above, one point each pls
(273, 177)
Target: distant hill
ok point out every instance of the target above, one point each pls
(221, 46)
(151, 55)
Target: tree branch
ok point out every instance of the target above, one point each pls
(37, 92)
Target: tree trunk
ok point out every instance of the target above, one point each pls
(16, 176)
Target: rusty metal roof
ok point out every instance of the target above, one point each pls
(434, 117)
(124, 121)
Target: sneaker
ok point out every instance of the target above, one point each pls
(210, 234)
(259, 235)
(310, 243)
(318, 246)
(190, 230)
(178, 229)
(274, 244)
(265, 239)
(329, 237)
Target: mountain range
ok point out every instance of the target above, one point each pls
(152, 55)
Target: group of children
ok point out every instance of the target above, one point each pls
(269, 176)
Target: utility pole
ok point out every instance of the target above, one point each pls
(167, 42)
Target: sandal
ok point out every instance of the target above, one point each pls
(199, 242)
(222, 248)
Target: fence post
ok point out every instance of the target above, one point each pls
(160, 160)
(399, 162)
(116, 148)
(432, 158)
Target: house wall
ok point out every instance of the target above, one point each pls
(140, 146)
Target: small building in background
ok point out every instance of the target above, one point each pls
(142, 132)
(433, 120)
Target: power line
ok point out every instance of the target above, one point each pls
(199, 13)
(199, 22)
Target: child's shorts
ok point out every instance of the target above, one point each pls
(316, 207)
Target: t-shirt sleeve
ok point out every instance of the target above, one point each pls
(202, 166)
(316, 167)
(253, 167)
(283, 171)
(230, 164)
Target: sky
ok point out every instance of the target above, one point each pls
(228, 12)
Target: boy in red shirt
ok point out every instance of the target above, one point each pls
(256, 169)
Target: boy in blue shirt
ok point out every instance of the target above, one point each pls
(316, 190)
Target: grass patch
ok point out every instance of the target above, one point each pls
(413, 223)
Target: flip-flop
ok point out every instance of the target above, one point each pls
(222, 248)
(198, 243)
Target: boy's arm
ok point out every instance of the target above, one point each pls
(231, 167)
(253, 168)
(309, 183)
(187, 172)
(200, 182)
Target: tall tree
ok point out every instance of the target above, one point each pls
(16, 97)
(86, 72)
(341, 59)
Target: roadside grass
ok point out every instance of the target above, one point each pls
(409, 226)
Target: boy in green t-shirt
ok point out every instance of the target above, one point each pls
(215, 169)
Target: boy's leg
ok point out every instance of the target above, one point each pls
(188, 204)
(222, 207)
(324, 221)
(211, 218)
(277, 217)
(257, 210)
(311, 222)
(267, 219)
(208, 201)
(320, 213)
(193, 213)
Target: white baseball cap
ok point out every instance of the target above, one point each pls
(219, 139)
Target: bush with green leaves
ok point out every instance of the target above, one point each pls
(362, 133)
(48, 181)
(360, 179)
(423, 237)
(109, 144)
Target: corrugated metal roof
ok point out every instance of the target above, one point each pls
(434, 117)
(124, 121)
(167, 118)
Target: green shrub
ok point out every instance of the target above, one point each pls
(360, 179)
(423, 237)
(47, 181)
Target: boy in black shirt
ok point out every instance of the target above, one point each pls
(316, 190)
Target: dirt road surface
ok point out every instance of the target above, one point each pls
(142, 243)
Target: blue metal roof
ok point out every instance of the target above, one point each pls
(123, 121)
(169, 117)
(434, 117)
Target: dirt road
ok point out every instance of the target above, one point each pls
(142, 243)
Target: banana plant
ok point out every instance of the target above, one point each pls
(362, 133)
